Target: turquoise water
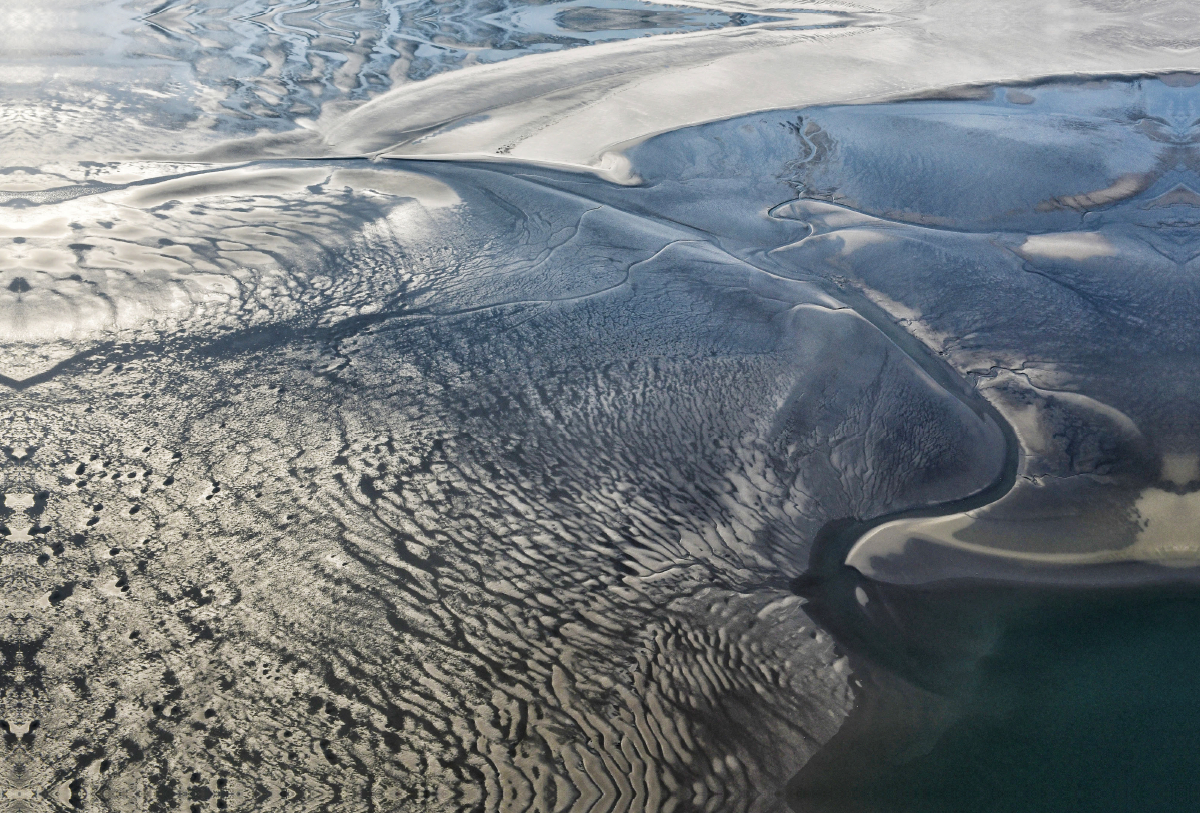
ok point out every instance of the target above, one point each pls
(1080, 700)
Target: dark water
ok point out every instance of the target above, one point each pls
(977, 696)
(1005, 699)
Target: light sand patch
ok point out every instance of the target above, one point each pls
(1181, 469)
(1068, 246)
(1168, 536)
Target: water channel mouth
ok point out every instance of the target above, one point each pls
(1047, 689)
(1017, 699)
(1068, 688)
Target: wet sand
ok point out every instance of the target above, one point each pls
(1004, 685)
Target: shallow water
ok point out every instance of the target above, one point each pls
(1012, 700)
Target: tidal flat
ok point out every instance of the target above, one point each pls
(610, 406)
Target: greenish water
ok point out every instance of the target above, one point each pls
(1006, 700)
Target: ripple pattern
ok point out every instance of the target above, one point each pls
(465, 492)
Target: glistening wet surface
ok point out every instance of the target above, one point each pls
(437, 407)
(1017, 651)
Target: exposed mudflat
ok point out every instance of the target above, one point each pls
(485, 406)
